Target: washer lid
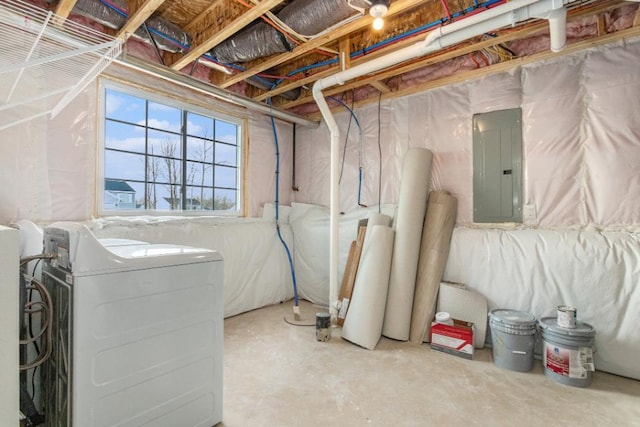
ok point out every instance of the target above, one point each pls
(109, 241)
(512, 317)
(154, 250)
(581, 330)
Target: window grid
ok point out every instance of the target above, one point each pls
(190, 181)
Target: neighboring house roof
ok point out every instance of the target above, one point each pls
(116, 185)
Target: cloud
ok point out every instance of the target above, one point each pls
(231, 139)
(195, 129)
(128, 144)
(114, 102)
(119, 103)
(161, 124)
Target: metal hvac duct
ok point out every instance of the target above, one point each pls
(307, 17)
(110, 13)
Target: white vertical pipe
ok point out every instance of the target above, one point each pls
(558, 29)
(334, 213)
(507, 14)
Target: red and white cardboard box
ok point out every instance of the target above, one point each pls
(456, 339)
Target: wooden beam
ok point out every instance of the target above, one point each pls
(602, 25)
(345, 53)
(412, 66)
(196, 21)
(396, 7)
(463, 49)
(636, 20)
(64, 8)
(499, 67)
(212, 37)
(511, 35)
(139, 12)
(381, 86)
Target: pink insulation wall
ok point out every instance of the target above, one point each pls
(581, 139)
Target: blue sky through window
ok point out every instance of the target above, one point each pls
(143, 134)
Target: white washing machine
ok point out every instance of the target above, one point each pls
(138, 332)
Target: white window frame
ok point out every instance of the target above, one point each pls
(105, 84)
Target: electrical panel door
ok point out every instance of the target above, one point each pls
(497, 166)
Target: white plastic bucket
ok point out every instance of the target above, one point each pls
(513, 335)
(567, 354)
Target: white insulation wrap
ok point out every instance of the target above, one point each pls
(598, 272)
(412, 205)
(256, 270)
(363, 325)
(580, 132)
(54, 164)
(310, 225)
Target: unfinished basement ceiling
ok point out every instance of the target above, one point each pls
(275, 49)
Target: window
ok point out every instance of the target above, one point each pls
(161, 155)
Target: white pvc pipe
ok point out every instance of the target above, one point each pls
(504, 15)
(184, 80)
(558, 29)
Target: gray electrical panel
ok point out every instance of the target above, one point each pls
(497, 166)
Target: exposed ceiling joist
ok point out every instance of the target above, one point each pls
(139, 12)
(209, 39)
(519, 33)
(64, 8)
(395, 8)
(500, 67)
(345, 52)
(381, 86)
(201, 17)
(207, 23)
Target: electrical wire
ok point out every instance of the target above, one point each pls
(28, 259)
(346, 140)
(445, 6)
(478, 7)
(35, 343)
(379, 158)
(469, 11)
(296, 301)
(344, 152)
(46, 329)
(297, 324)
(43, 307)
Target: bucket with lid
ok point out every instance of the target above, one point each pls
(513, 335)
(567, 354)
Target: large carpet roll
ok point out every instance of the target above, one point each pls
(363, 325)
(434, 251)
(408, 223)
(378, 219)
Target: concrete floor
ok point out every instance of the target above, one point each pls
(276, 374)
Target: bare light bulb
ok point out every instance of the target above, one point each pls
(378, 23)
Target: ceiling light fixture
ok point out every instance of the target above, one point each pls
(378, 10)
